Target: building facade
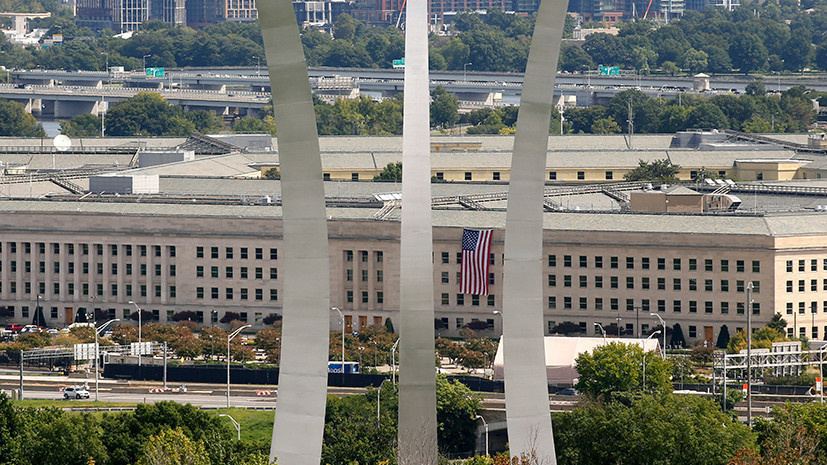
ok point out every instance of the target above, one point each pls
(598, 267)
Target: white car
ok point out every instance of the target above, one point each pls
(75, 392)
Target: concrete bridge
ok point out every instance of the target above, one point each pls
(69, 101)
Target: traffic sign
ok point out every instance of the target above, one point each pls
(155, 72)
(609, 70)
(400, 63)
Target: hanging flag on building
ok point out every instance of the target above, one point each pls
(476, 247)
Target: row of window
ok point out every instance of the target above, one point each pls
(802, 285)
(677, 284)
(803, 305)
(230, 293)
(490, 300)
(365, 297)
(802, 265)
(677, 306)
(114, 289)
(127, 312)
(378, 256)
(142, 250)
(84, 268)
(364, 276)
(229, 253)
(229, 272)
(645, 263)
(628, 328)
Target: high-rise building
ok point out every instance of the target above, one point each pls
(128, 15)
(169, 11)
(240, 10)
(201, 13)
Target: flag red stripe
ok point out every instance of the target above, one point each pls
(475, 266)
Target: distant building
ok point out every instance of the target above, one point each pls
(128, 15)
(319, 13)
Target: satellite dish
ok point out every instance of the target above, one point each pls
(62, 143)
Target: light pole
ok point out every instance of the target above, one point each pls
(361, 349)
(618, 325)
(235, 423)
(36, 308)
(230, 338)
(393, 361)
(98, 330)
(644, 359)
(145, 57)
(485, 423)
(465, 71)
(140, 349)
(663, 326)
(258, 66)
(378, 393)
(342, 315)
(375, 352)
(602, 331)
(749, 354)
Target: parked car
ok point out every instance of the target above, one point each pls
(567, 392)
(75, 392)
(14, 328)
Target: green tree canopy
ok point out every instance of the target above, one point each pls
(662, 171)
(391, 172)
(619, 367)
(15, 122)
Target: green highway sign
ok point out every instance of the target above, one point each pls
(610, 70)
(155, 72)
(400, 63)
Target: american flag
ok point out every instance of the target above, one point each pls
(476, 245)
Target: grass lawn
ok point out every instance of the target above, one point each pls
(256, 425)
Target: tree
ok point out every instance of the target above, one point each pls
(778, 323)
(15, 122)
(796, 53)
(755, 88)
(706, 115)
(618, 367)
(271, 173)
(444, 108)
(695, 60)
(661, 171)
(457, 409)
(677, 339)
(173, 447)
(85, 125)
(230, 316)
(185, 315)
(147, 113)
(605, 126)
(670, 68)
(50, 436)
(649, 429)
(723, 338)
(748, 52)
(566, 328)
(391, 172)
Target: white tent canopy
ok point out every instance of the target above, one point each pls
(562, 351)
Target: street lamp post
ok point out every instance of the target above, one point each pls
(235, 423)
(378, 399)
(140, 348)
(602, 331)
(618, 325)
(258, 66)
(497, 312)
(644, 359)
(375, 352)
(230, 338)
(342, 315)
(393, 361)
(98, 330)
(479, 417)
(663, 326)
(36, 308)
(145, 57)
(749, 354)
(465, 71)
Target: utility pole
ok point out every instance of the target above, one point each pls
(631, 121)
(749, 354)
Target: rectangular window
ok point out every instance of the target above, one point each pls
(614, 304)
(693, 284)
(445, 258)
(644, 283)
(567, 261)
(676, 306)
(243, 253)
(274, 295)
(724, 265)
(581, 175)
(613, 282)
(630, 263)
(380, 256)
(583, 303)
(756, 266)
(172, 270)
(801, 285)
(708, 285)
(460, 299)
(552, 175)
(567, 281)
(260, 295)
(613, 262)
(598, 282)
(158, 270)
(676, 264)
(789, 286)
(567, 303)
(364, 275)
(475, 300)
(598, 303)
(661, 284)
(584, 281)
(199, 252)
(644, 263)
(274, 254)
(724, 308)
(708, 264)
(739, 266)
(630, 282)
(813, 265)
(707, 307)
(724, 285)
(228, 253)
(380, 297)
(661, 263)
(552, 280)
(467, 175)
(552, 302)
(459, 258)
(790, 266)
(259, 253)
(693, 306)
(630, 305)
(445, 300)
(676, 284)
(584, 261)
(739, 286)
(693, 331)
(814, 285)
(552, 260)
(609, 175)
